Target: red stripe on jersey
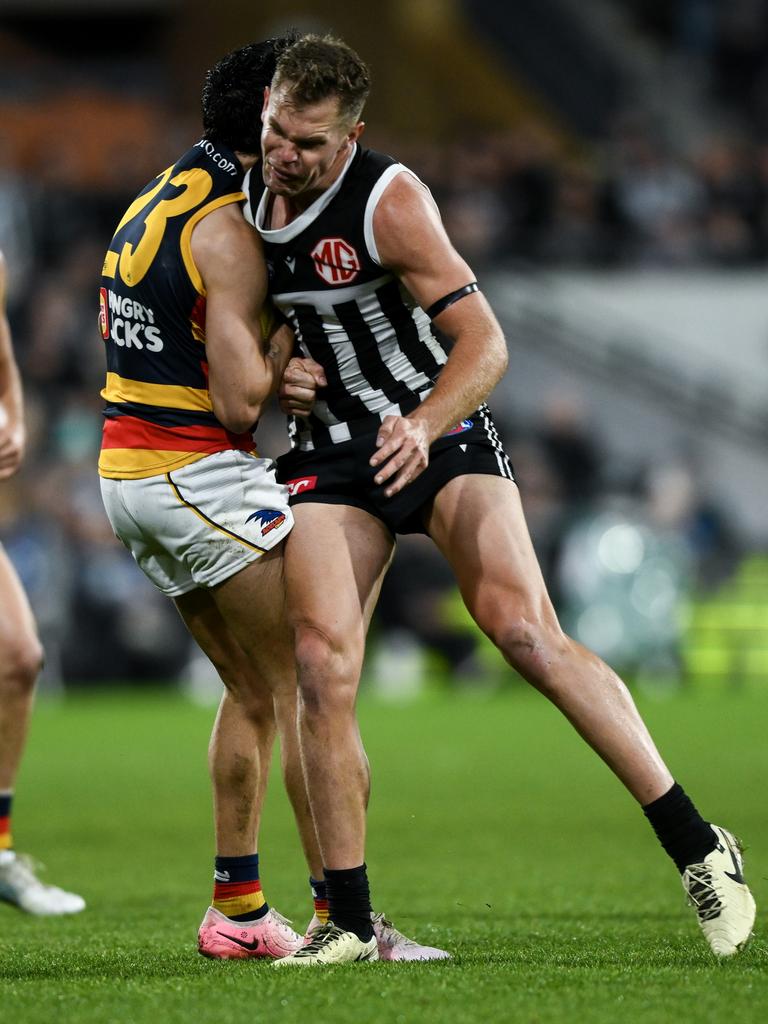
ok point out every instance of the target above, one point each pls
(132, 432)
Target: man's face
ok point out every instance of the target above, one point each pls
(304, 149)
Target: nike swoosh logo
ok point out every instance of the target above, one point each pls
(737, 876)
(240, 942)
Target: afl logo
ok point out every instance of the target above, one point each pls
(335, 261)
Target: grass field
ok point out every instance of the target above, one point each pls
(493, 832)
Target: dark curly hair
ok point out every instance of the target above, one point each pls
(315, 68)
(233, 93)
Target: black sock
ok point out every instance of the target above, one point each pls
(680, 828)
(349, 901)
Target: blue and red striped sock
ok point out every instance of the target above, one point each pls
(236, 888)
(6, 799)
(320, 898)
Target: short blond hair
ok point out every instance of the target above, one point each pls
(316, 68)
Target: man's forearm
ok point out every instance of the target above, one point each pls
(473, 370)
(279, 352)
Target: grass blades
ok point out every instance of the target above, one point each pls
(494, 832)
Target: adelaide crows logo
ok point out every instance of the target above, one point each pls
(460, 428)
(268, 519)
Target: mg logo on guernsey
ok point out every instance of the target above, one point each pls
(335, 261)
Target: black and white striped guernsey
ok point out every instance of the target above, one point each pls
(348, 312)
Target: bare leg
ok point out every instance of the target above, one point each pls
(20, 661)
(332, 588)
(478, 524)
(286, 712)
(243, 735)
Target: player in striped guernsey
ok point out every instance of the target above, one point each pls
(20, 661)
(400, 441)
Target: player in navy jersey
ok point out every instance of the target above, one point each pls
(399, 441)
(20, 661)
(191, 360)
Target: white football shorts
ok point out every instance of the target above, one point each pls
(199, 525)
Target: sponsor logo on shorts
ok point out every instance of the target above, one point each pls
(335, 261)
(268, 519)
(460, 428)
(301, 483)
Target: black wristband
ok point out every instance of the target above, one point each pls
(448, 300)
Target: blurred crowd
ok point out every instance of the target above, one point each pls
(632, 202)
(723, 41)
(523, 195)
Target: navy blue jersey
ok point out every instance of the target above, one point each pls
(159, 413)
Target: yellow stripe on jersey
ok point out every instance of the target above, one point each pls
(110, 264)
(186, 235)
(168, 396)
(138, 463)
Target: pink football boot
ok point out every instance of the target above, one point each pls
(393, 945)
(223, 939)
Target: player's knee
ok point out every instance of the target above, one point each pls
(530, 643)
(21, 660)
(322, 650)
(328, 670)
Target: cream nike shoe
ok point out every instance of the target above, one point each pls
(716, 888)
(329, 945)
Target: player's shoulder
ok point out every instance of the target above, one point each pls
(223, 233)
(372, 160)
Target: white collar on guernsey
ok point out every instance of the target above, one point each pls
(298, 224)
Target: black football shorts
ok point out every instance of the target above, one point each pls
(340, 474)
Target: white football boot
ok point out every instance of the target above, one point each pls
(329, 945)
(716, 888)
(20, 886)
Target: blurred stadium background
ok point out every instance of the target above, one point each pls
(603, 164)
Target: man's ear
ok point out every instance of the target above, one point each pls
(356, 132)
(266, 102)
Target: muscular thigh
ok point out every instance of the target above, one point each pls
(16, 621)
(335, 560)
(478, 524)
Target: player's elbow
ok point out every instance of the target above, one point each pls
(498, 358)
(238, 416)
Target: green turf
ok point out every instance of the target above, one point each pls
(493, 831)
